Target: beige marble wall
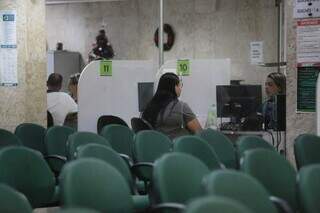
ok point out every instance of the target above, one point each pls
(297, 123)
(27, 101)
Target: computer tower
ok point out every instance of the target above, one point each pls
(279, 113)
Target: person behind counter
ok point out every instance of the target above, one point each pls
(275, 85)
(166, 113)
(73, 86)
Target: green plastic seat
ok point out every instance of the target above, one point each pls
(12, 201)
(78, 139)
(94, 184)
(120, 137)
(149, 145)
(111, 157)
(8, 139)
(77, 210)
(245, 143)
(274, 172)
(216, 204)
(177, 178)
(56, 144)
(309, 188)
(26, 171)
(306, 150)
(32, 136)
(221, 145)
(198, 148)
(240, 187)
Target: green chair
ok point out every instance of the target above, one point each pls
(216, 204)
(245, 143)
(149, 145)
(8, 139)
(77, 210)
(306, 150)
(221, 145)
(26, 171)
(120, 137)
(12, 201)
(198, 148)
(309, 188)
(32, 136)
(240, 187)
(177, 179)
(56, 144)
(94, 184)
(111, 157)
(275, 173)
(78, 139)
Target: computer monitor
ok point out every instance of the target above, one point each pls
(145, 94)
(238, 101)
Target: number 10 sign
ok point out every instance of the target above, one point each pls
(183, 67)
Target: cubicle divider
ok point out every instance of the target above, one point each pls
(118, 94)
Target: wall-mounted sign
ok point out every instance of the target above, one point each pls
(306, 9)
(308, 41)
(256, 52)
(306, 88)
(8, 48)
(183, 67)
(105, 68)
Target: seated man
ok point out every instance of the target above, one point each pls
(59, 104)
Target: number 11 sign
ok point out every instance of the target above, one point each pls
(183, 67)
(105, 68)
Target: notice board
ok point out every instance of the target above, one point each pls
(306, 88)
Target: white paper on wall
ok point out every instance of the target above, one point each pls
(8, 48)
(256, 52)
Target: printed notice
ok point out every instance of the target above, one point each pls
(8, 48)
(306, 8)
(256, 52)
(308, 41)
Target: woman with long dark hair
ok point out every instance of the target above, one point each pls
(166, 113)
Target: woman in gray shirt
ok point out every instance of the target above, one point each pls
(166, 113)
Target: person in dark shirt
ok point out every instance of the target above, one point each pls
(275, 85)
(166, 113)
(102, 48)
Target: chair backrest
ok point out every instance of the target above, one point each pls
(309, 188)
(306, 150)
(49, 120)
(177, 178)
(274, 172)
(26, 171)
(13, 201)
(245, 143)
(221, 145)
(94, 184)
(32, 136)
(198, 148)
(105, 120)
(56, 140)
(109, 156)
(241, 187)
(77, 210)
(139, 124)
(78, 139)
(8, 139)
(120, 137)
(216, 204)
(150, 145)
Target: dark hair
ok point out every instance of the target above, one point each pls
(280, 81)
(54, 80)
(165, 93)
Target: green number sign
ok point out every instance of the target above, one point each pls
(105, 68)
(183, 67)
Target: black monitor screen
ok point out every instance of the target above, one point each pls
(238, 100)
(145, 94)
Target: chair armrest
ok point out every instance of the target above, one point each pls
(127, 159)
(56, 157)
(282, 205)
(136, 169)
(177, 207)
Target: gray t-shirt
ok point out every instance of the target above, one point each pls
(173, 120)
